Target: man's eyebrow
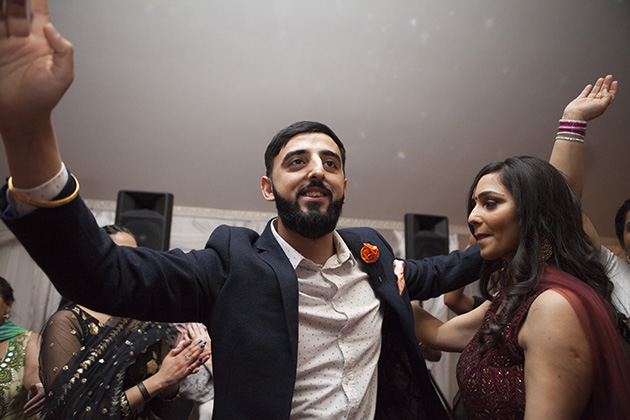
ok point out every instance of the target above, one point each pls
(331, 154)
(299, 152)
(293, 153)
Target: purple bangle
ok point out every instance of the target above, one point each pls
(572, 130)
(577, 127)
(573, 123)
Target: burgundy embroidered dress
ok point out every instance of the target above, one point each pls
(493, 385)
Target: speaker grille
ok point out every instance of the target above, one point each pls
(425, 236)
(148, 216)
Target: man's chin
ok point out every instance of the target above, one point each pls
(314, 206)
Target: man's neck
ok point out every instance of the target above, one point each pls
(317, 250)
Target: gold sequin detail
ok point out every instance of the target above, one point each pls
(152, 367)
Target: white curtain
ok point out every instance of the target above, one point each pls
(35, 296)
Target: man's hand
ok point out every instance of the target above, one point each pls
(36, 68)
(35, 64)
(593, 100)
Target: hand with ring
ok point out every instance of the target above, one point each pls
(181, 361)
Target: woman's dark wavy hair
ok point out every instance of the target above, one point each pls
(547, 209)
(620, 221)
(6, 291)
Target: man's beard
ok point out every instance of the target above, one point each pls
(313, 223)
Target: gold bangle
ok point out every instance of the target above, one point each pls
(41, 203)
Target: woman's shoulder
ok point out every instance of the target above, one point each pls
(550, 302)
(68, 316)
(551, 318)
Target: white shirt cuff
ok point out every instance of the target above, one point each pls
(45, 192)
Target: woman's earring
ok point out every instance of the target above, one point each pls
(6, 316)
(546, 249)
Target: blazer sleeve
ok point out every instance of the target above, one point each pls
(86, 266)
(434, 276)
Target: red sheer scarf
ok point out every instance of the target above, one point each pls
(611, 367)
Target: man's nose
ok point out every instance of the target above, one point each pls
(316, 169)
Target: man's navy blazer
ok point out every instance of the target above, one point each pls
(243, 287)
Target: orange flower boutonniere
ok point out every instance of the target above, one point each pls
(369, 253)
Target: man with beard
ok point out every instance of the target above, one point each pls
(305, 321)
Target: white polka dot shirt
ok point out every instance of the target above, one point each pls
(339, 337)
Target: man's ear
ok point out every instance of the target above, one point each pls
(266, 187)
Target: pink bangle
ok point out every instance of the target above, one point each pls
(573, 123)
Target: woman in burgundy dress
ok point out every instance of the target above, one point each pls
(545, 344)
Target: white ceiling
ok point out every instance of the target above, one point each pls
(183, 96)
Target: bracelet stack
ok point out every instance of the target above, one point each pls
(571, 130)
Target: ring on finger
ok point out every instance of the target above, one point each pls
(187, 357)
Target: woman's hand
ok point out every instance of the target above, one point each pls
(35, 404)
(198, 331)
(182, 361)
(593, 100)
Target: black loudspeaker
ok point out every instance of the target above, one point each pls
(148, 216)
(425, 236)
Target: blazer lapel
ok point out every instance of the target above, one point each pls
(380, 278)
(381, 273)
(270, 251)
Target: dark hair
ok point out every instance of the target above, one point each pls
(6, 291)
(620, 221)
(547, 210)
(64, 302)
(114, 229)
(283, 136)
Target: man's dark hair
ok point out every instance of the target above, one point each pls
(114, 229)
(286, 134)
(620, 221)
